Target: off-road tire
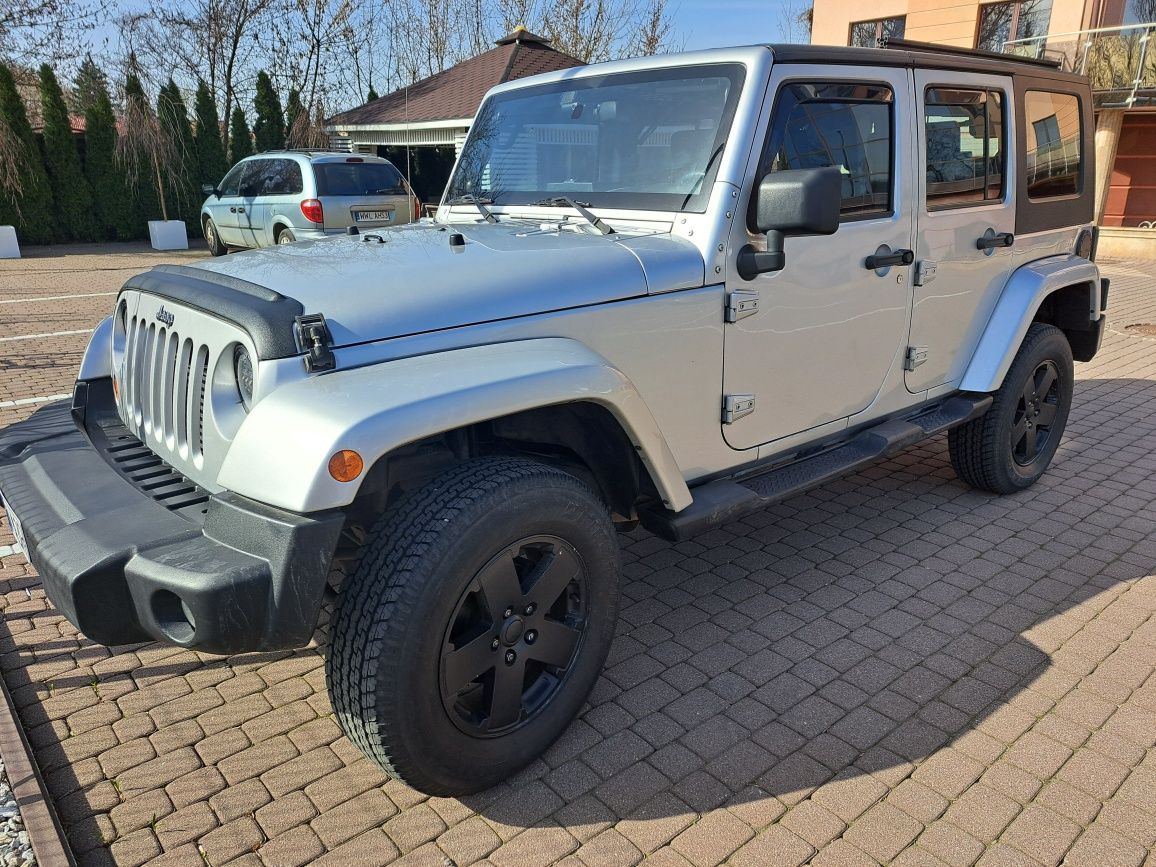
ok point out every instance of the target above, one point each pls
(384, 665)
(213, 238)
(286, 236)
(982, 452)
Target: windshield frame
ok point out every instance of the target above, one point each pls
(663, 202)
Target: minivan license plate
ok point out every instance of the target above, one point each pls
(373, 216)
(14, 523)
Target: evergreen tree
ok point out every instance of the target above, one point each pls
(32, 214)
(145, 205)
(293, 110)
(211, 164)
(269, 127)
(371, 95)
(110, 198)
(91, 86)
(183, 191)
(71, 195)
(240, 142)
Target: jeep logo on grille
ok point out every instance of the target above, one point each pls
(165, 317)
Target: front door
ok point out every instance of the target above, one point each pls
(966, 218)
(827, 328)
(227, 208)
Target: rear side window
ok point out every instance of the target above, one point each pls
(965, 150)
(1053, 133)
(837, 124)
(358, 179)
(275, 177)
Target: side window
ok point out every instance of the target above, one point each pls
(1053, 131)
(281, 177)
(965, 147)
(231, 185)
(252, 180)
(837, 124)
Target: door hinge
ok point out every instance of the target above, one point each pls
(741, 303)
(924, 272)
(916, 355)
(735, 406)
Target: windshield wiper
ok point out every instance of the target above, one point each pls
(588, 215)
(480, 204)
(714, 156)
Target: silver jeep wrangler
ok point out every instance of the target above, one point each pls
(666, 291)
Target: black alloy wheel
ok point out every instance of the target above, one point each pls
(1036, 414)
(513, 637)
(1009, 447)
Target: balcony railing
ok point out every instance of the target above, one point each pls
(1120, 61)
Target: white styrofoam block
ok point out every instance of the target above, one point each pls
(9, 247)
(168, 235)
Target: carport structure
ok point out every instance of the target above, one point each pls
(422, 127)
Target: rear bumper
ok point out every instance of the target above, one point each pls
(227, 576)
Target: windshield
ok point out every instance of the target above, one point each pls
(358, 179)
(640, 140)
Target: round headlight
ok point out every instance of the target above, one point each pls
(243, 374)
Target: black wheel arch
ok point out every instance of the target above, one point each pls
(581, 438)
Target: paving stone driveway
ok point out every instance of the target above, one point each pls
(890, 669)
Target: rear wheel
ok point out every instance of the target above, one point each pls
(1009, 447)
(475, 625)
(286, 236)
(213, 238)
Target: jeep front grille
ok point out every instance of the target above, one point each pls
(156, 386)
(174, 370)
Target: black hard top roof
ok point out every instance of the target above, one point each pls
(924, 55)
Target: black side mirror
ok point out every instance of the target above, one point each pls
(210, 190)
(794, 202)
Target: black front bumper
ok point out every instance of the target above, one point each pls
(224, 575)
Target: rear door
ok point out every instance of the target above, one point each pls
(966, 217)
(827, 329)
(278, 190)
(363, 193)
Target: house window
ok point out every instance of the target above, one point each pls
(1054, 164)
(868, 34)
(1000, 23)
(963, 133)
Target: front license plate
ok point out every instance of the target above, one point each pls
(373, 216)
(14, 522)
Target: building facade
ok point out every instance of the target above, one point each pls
(1111, 41)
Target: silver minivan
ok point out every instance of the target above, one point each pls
(279, 197)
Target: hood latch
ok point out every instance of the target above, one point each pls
(314, 339)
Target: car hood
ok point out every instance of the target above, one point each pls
(417, 278)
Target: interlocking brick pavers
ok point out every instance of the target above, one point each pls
(888, 669)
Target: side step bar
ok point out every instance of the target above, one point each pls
(724, 500)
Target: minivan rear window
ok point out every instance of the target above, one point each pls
(358, 179)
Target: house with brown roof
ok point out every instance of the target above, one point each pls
(422, 127)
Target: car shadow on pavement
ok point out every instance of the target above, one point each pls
(825, 646)
(861, 628)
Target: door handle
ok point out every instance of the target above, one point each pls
(897, 257)
(990, 242)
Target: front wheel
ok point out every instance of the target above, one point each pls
(1011, 445)
(213, 238)
(475, 624)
